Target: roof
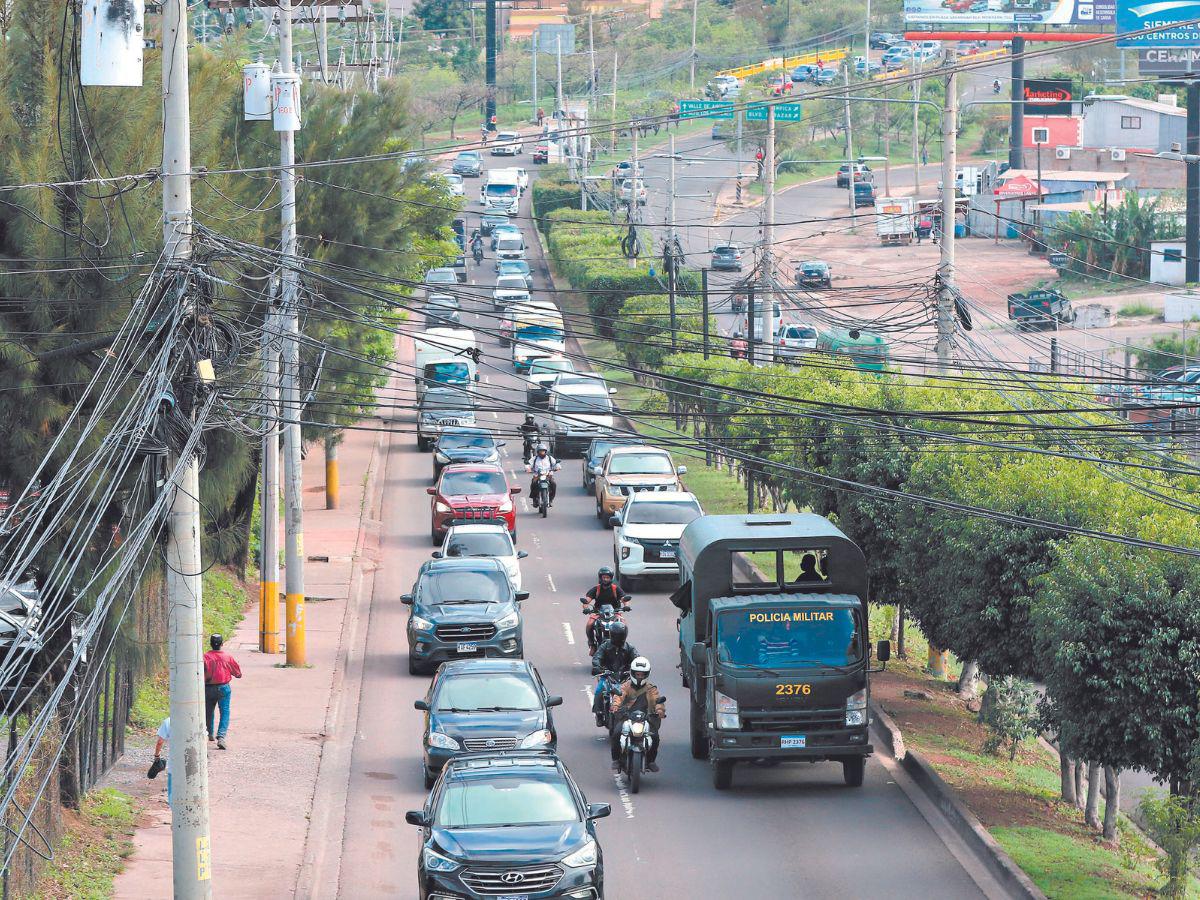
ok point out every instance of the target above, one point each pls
(474, 563)
(638, 448)
(1064, 175)
(643, 497)
(708, 530)
(496, 526)
(484, 665)
(1136, 102)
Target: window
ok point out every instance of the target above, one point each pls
(1172, 255)
(1131, 122)
(1041, 135)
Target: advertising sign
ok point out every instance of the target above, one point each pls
(1168, 61)
(552, 36)
(1010, 12)
(1048, 96)
(1138, 15)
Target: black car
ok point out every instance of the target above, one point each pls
(813, 273)
(462, 608)
(485, 705)
(488, 221)
(595, 453)
(441, 408)
(881, 40)
(469, 164)
(471, 445)
(862, 172)
(508, 825)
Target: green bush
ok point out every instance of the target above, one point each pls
(553, 190)
(643, 329)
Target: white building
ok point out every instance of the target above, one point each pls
(1129, 123)
(1166, 262)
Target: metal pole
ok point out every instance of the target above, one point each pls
(323, 44)
(945, 302)
(769, 237)
(387, 30)
(534, 109)
(187, 751)
(614, 102)
(558, 93)
(268, 619)
(593, 79)
(1016, 135)
(751, 354)
(704, 310)
(867, 45)
(293, 487)
(489, 32)
(850, 147)
(673, 237)
(916, 92)
(1192, 215)
(740, 117)
(692, 75)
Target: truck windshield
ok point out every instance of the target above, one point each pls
(448, 372)
(781, 637)
(540, 333)
(501, 191)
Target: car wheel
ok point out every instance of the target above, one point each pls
(435, 537)
(430, 778)
(699, 740)
(627, 582)
(413, 667)
(422, 443)
(853, 768)
(722, 774)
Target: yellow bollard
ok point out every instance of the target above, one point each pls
(296, 644)
(268, 616)
(332, 482)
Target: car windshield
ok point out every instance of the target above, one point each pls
(457, 440)
(598, 405)
(469, 693)
(479, 544)
(676, 512)
(510, 282)
(789, 637)
(468, 156)
(641, 464)
(505, 801)
(478, 482)
(725, 251)
(514, 265)
(448, 585)
(802, 333)
(510, 243)
(440, 276)
(543, 366)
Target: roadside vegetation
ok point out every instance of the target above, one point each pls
(92, 850)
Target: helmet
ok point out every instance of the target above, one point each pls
(542, 448)
(639, 671)
(605, 570)
(528, 419)
(216, 641)
(617, 632)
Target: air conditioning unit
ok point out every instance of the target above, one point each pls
(1062, 152)
(1118, 154)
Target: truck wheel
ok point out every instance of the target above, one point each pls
(852, 770)
(722, 771)
(699, 738)
(422, 444)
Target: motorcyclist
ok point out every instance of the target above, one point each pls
(606, 593)
(542, 463)
(996, 86)
(529, 435)
(638, 693)
(615, 655)
(737, 346)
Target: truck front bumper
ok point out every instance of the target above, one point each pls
(818, 745)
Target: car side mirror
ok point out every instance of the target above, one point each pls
(431, 491)
(698, 653)
(422, 705)
(612, 390)
(597, 470)
(615, 521)
(502, 444)
(522, 554)
(416, 817)
(682, 470)
(514, 490)
(437, 554)
(883, 651)
(598, 810)
(406, 599)
(522, 595)
(554, 701)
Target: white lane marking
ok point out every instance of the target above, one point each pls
(487, 380)
(495, 415)
(550, 578)
(587, 690)
(568, 634)
(626, 799)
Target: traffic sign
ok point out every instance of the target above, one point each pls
(1133, 16)
(705, 109)
(784, 112)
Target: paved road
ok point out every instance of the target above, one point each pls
(785, 832)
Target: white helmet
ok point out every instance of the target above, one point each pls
(639, 670)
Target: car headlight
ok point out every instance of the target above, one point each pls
(506, 506)
(442, 741)
(537, 739)
(419, 624)
(727, 712)
(512, 620)
(441, 507)
(624, 553)
(631, 540)
(441, 457)
(856, 708)
(587, 855)
(435, 862)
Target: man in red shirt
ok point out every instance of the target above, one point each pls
(219, 669)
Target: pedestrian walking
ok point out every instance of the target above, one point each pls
(164, 738)
(924, 156)
(541, 115)
(219, 669)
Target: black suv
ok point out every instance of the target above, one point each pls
(509, 825)
(485, 705)
(462, 608)
(442, 407)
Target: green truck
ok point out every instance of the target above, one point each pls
(773, 642)
(1040, 308)
(865, 349)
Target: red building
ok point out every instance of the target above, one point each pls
(1053, 131)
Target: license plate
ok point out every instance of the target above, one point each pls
(514, 897)
(793, 741)
(666, 554)
(465, 647)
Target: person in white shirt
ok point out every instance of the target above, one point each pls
(543, 463)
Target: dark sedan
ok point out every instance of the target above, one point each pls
(813, 273)
(488, 221)
(508, 825)
(469, 164)
(484, 705)
(465, 445)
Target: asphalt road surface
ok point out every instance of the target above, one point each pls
(785, 832)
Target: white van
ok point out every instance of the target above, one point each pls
(501, 191)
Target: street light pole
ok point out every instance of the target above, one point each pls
(1192, 215)
(945, 301)
(769, 237)
(692, 76)
(850, 148)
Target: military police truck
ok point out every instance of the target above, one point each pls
(773, 642)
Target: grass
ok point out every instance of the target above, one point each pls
(1065, 866)
(225, 600)
(1137, 308)
(93, 850)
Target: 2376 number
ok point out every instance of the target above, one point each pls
(793, 690)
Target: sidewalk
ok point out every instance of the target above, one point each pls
(261, 789)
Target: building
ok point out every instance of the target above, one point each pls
(998, 207)
(1129, 123)
(1053, 131)
(1167, 263)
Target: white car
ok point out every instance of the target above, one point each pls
(632, 190)
(646, 533)
(483, 540)
(795, 339)
(506, 143)
(522, 179)
(454, 184)
(509, 290)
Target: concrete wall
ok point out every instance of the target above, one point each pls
(1145, 173)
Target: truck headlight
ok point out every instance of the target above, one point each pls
(419, 624)
(856, 709)
(727, 712)
(537, 739)
(510, 621)
(442, 741)
(435, 862)
(584, 856)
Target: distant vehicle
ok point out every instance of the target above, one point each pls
(516, 267)
(828, 75)
(441, 275)
(522, 178)
(779, 83)
(509, 246)
(895, 221)
(483, 540)
(471, 492)
(627, 470)
(577, 418)
(468, 164)
(804, 72)
(505, 229)
(454, 184)
(794, 340)
(1040, 309)
(509, 289)
(881, 40)
(506, 143)
(412, 163)
(464, 445)
(864, 194)
(721, 131)
(720, 87)
(632, 190)
(863, 66)
(646, 534)
(865, 349)
(486, 806)
(624, 169)
(538, 333)
(727, 258)
(595, 453)
(484, 704)
(542, 373)
(541, 154)
(441, 408)
(444, 357)
(501, 191)
(862, 172)
(813, 273)
(490, 220)
(460, 268)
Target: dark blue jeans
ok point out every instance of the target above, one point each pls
(217, 695)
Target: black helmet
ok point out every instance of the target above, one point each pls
(542, 448)
(216, 641)
(617, 632)
(605, 570)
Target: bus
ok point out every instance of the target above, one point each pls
(867, 350)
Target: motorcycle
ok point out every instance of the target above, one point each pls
(635, 742)
(608, 698)
(543, 494)
(477, 252)
(600, 624)
(995, 87)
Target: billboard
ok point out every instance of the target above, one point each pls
(548, 38)
(1165, 62)
(1010, 12)
(1138, 15)
(1048, 96)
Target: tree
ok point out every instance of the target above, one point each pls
(444, 17)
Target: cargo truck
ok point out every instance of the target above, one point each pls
(773, 642)
(444, 357)
(894, 221)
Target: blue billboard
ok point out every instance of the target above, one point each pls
(1138, 15)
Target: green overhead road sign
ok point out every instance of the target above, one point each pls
(784, 112)
(705, 109)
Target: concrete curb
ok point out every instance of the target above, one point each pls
(968, 828)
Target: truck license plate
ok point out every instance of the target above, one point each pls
(667, 553)
(793, 741)
(465, 647)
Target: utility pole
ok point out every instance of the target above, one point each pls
(558, 92)
(387, 30)
(867, 44)
(945, 301)
(769, 236)
(692, 76)
(673, 237)
(534, 108)
(594, 78)
(614, 101)
(704, 310)
(850, 149)
(916, 108)
(293, 479)
(489, 56)
(1016, 135)
(187, 751)
(1192, 208)
(323, 44)
(268, 617)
